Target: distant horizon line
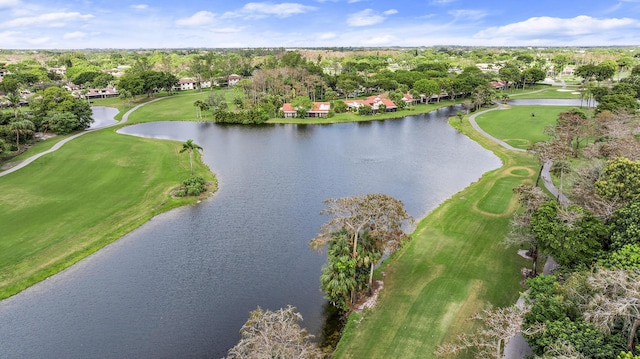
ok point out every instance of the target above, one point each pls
(289, 48)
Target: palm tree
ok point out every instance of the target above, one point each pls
(200, 106)
(14, 99)
(21, 127)
(190, 146)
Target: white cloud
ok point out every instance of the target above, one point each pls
(227, 30)
(367, 17)
(74, 35)
(353, 1)
(468, 14)
(390, 12)
(198, 19)
(54, 19)
(327, 36)
(256, 10)
(8, 37)
(140, 6)
(39, 40)
(554, 27)
(380, 40)
(9, 3)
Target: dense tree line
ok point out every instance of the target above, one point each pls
(51, 110)
(590, 307)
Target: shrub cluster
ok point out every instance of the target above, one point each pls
(192, 186)
(247, 117)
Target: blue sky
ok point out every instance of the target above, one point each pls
(53, 24)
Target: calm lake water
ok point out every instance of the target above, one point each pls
(103, 116)
(182, 285)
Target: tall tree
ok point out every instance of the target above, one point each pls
(381, 216)
(560, 61)
(572, 235)
(532, 75)
(338, 277)
(200, 107)
(510, 73)
(426, 87)
(190, 146)
(14, 100)
(125, 96)
(573, 128)
(530, 199)
(347, 86)
(21, 127)
(132, 83)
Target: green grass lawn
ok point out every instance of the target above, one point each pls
(38, 147)
(178, 107)
(74, 201)
(571, 92)
(515, 125)
(454, 266)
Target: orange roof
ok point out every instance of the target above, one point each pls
(317, 107)
(377, 100)
(286, 107)
(321, 107)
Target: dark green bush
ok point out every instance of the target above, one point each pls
(192, 186)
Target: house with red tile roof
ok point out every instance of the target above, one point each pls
(499, 85)
(410, 100)
(374, 102)
(319, 109)
(101, 93)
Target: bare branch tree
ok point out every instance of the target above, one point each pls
(584, 192)
(561, 350)
(616, 296)
(268, 334)
(530, 199)
(499, 325)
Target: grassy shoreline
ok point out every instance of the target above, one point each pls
(92, 191)
(454, 266)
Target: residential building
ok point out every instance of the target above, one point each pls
(101, 93)
(319, 109)
(191, 84)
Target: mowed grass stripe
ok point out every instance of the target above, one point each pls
(498, 199)
(72, 202)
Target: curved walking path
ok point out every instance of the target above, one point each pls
(545, 175)
(55, 147)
